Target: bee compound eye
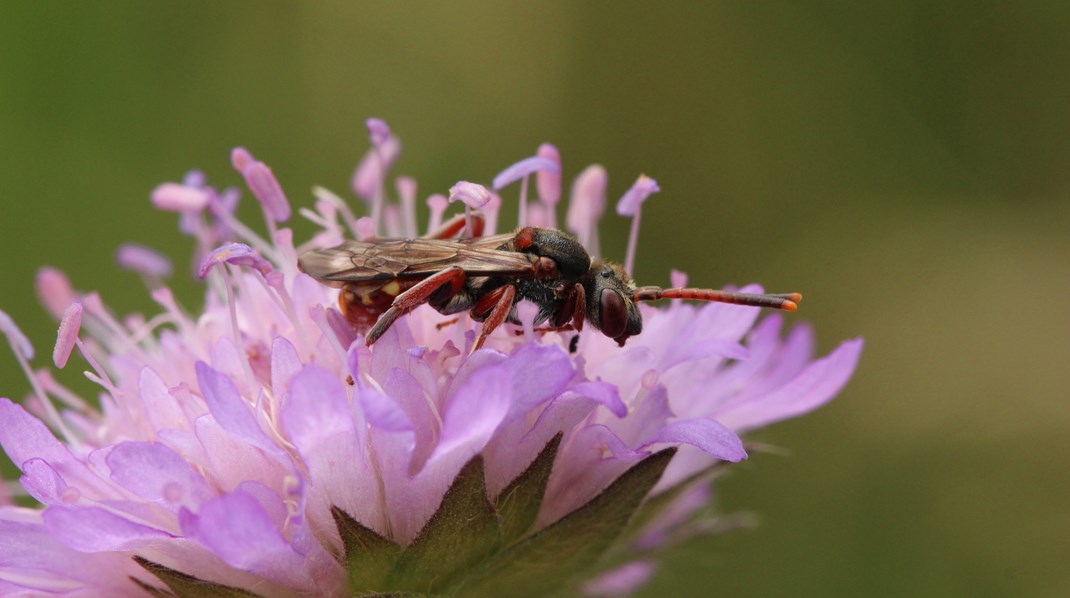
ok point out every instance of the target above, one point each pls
(614, 314)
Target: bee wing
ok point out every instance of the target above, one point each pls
(387, 259)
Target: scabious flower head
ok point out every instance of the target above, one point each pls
(256, 446)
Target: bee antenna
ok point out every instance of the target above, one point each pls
(784, 301)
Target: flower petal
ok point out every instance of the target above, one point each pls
(818, 383)
(92, 529)
(706, 434)
(157, 473)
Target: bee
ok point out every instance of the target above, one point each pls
(383, 279)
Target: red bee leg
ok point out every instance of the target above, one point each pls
(581, 307)
(453, 227)
(573, 308)
(502, 300)
(452, 277)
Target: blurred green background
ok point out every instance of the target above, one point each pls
(905, 166)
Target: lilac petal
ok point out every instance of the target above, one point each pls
(54, 291)
(157, 473)
(44, 483)
(813, 387)
(405, 390)
(266, 188)
(472, 195)
(699, 349)
(237, 254)
(285, 363)
(622, 581)
(268, 499)
(317, 418)
(174, 197)
(23, 437)
(39, 565)
(315, 408)
(588, 199)
(15, 336)
(92, 529)
(143, 260)
(516, 444)
(706, 434)
(634, 197)
(548, 182)
(67, 335)
(163, 411)
(230, 410)
(523, 168)
(238, 530)
(382, 412)
(602, 393)
(475, 411)
(378, 130)
(374, 166)
(537, 374)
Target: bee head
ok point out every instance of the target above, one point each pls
(610, 307)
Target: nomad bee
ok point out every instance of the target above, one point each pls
(383, 279)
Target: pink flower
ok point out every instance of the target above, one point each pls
(259, 445)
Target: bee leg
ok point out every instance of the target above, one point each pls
(501, 299)
(581, 308)
(573, 308)
(451, 278)
(454, 226)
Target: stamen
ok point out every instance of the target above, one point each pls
(265, 187)
(54, 291)
(490, 214)
(437, 204)
(365, 228)
(277, 282)
(19, 343)
(23, 350)
(67, 334)
(548, 183)
(237, 254)
(166, 299)
(677, 279)
(378, 130)
(241, 230)
(152, 266)
(52, 386)
(372, 170)
(522, 218)
(631, 204)
(392, 220)
(520, 171)
(586, 204)
(319, 316)
(194, 178)
(174, 197)
(473, 196)
(327, 196)
(406, 187)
